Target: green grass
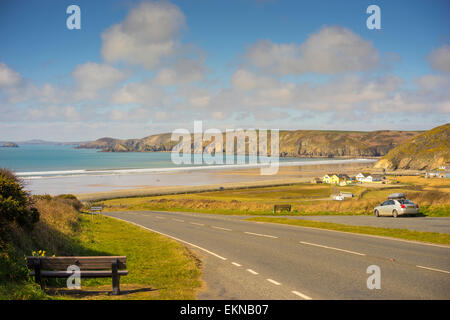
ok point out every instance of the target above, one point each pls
(154, 262)
(159, 268)
(430, 237)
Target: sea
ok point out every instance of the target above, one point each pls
(57, 169)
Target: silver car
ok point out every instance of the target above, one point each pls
(396, 207)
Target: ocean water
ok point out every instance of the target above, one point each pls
(56, 169)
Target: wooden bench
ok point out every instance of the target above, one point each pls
(90, 267)
(281, 207)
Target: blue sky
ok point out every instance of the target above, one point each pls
(242, 63)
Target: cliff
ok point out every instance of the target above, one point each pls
(426, 151)
(306, 143)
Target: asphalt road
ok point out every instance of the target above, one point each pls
(250, 260)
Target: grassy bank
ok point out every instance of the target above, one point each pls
(429, 237)
(305, 199)
(159, 268)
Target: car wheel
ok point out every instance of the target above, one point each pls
(376, 213)
(395, 213)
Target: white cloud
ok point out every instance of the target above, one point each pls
(182, 72)
(245, 80)
(434, 82)
(440, 59)
(146, 36)
(138, 92)
(9, 77)
(92, 77)
(331, 50)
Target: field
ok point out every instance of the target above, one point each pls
(432, 195)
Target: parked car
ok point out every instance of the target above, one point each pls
(338, 198)
(395, 206)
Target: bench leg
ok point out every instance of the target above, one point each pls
(37, 274)
(115, 279)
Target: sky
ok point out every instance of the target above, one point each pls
(137, 68)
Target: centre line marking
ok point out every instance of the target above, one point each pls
(332, 248)
(197, 224)
(304, 296)
(221, 228)
(177, 239)
(261, 235)
(252, 272)
(236, 264)
(178, 220)
(274, 282)
(433, 269)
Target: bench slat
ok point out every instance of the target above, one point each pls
(84, 274)
(86, 263)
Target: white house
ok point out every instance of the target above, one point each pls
(360, 176)
(372, 178)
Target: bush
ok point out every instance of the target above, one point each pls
(71, 200)
(15, 204)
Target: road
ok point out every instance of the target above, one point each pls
(251, 260)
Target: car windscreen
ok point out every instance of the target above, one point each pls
(405, 202)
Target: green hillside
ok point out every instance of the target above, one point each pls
(428, 150)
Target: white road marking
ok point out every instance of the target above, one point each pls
(252, 272)
(159, 217)
(172, 237)
(445, 246)
(221, 228)
(433, 269)
(301, 295)
(261, 235)
(332, 248)
(178, 220)
(274, 282)
(236, 264)
(197, 224)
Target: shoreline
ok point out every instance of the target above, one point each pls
(101, 172)
(248, 178)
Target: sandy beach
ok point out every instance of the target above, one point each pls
(212, 180)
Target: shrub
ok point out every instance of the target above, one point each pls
(15, 204)
(71, 200)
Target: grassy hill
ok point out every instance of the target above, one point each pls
(306, 143)
(428, 150)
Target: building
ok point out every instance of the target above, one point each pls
(373, 178)
(361, 176)
(331, 178)
(316, 180)
(334, 178)
(343, 179)
(434, 174)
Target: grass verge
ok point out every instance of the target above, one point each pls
(430, 237)
(159, 268)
